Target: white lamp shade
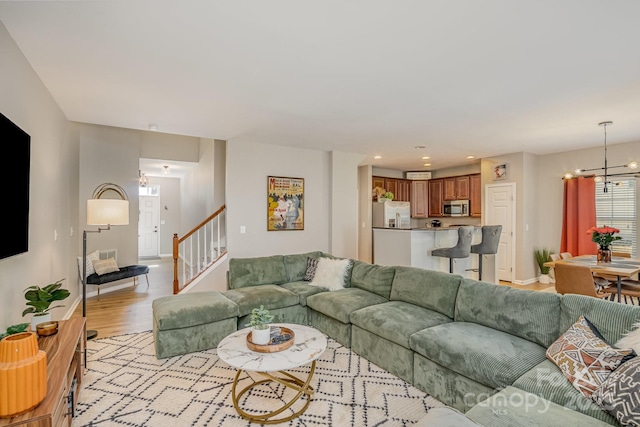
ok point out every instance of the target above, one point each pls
(107, 212)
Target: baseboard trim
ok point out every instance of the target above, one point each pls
(526, 282)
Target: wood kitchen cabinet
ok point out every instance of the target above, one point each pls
(419, 199)
(401, 188)
(475, 195)
(456, 188)
(435, 197)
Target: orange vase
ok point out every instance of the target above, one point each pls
(23, 374)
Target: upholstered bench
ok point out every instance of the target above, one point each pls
(123, 273)
(192, 322)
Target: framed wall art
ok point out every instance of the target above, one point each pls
(285, 203)
(500, 172)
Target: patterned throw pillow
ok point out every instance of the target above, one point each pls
(104, 266)
(312, 264)
(584, 357)
(331, 273)
(631, 339)
(619, 394)
(93, 256)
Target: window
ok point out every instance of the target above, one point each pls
(617, 208)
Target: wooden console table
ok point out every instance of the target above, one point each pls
(65, 356)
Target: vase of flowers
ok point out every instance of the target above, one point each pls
(604, 236)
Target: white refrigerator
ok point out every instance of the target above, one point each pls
(391, 214)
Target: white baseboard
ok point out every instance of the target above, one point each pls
(69, 312)
(526, 282)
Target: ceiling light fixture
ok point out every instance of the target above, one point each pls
(471, 157)
(426, 158)
(377, 157)
(605, 178)
(427, 164)
(153, 127)
(142, 179)
(165, 170)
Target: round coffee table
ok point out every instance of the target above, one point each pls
(308, 345)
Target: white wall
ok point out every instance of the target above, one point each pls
(53, 195)
(249, 163)
(344, 204)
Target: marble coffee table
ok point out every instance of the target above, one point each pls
(308, 345)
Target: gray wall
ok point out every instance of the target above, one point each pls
(53, 194)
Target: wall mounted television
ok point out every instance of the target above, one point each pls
(15, 192)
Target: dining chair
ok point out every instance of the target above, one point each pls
(627, 289)
(621, 254)
(565, 255)
(577, 279)
(554, 258)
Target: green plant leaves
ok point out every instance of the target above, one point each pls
(40, 299)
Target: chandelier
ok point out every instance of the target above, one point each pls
(606, 175)
(142, 179)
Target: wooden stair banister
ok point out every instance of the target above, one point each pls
(177, 241)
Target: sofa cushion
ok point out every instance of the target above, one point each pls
(192, 309)
(427, 288)
(396, 321)
(372, 278)
(296, 265)
(584, 357)
(611, 319)
(526, 314)
(245, 272)
(271, 296)
(340, 304)
(485, 355)
(547, 381)
(513, 407)
(619, 394)
(303, 290)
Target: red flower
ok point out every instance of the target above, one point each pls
(603, 236)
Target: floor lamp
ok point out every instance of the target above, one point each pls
(102, 212)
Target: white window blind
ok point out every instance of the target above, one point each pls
(617, 208)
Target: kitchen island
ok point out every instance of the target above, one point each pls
(412, 247)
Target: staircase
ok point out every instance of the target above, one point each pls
(199, 249)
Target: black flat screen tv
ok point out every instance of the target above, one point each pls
(15, 192)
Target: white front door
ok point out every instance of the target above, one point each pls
(148, 224)
(500, 210)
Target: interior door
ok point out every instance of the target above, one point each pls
(148, 226)
(500, 203)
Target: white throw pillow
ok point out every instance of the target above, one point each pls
(93, 256)
(103, 266)
(331, 273)
(631, 339)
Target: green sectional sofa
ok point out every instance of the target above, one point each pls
(472, 345)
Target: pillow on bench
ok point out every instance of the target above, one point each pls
(103, 266)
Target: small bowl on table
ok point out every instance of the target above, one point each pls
(46, 329)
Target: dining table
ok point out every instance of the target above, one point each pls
(619, 267)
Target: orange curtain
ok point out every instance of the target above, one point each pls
(578, 216)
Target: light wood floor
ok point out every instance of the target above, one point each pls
(129, 310)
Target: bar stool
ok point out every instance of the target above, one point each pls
(488, 245)
(462, 249)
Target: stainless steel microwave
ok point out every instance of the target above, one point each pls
(456, 208)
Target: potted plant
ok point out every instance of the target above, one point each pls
(39, 301)
(259, 321)
(604, 237)
(388, 195)
(542, 256)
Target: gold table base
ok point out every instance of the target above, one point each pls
(290, 381)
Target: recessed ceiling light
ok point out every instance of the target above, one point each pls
(427, 164)
(153, 127)
(377, 157)
(419, 147)
(426, 158)
(471, 157)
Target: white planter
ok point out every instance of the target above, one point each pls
(544, 279)
(261, 336)
(35, 320)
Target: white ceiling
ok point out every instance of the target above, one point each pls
(374, 77)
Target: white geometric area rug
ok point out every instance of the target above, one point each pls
(125, 385)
